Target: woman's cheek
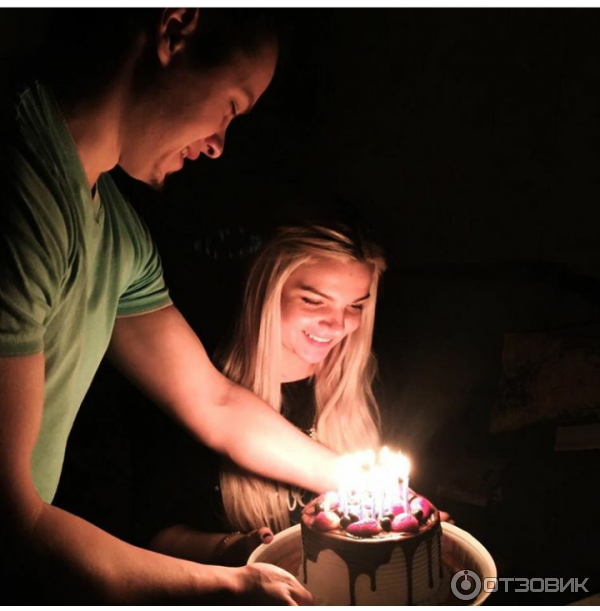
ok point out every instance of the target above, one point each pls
(355, 324)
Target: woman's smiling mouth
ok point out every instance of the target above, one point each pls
(315, 338)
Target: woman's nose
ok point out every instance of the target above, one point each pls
(334, 320)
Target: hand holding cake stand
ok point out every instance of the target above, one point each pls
(375, 542)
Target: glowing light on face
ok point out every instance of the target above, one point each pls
(186, 112)
(321, 304)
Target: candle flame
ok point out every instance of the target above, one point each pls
(369, 485)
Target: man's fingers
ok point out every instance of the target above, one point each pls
(302, 597)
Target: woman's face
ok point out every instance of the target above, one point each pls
(321, 303)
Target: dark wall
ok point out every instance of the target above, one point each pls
(468, 136)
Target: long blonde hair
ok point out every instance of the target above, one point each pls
(347, 414)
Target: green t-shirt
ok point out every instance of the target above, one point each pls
(69, 265)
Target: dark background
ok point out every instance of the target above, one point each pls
(467, 139)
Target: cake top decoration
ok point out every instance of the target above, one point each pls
(373, 497)
(369, 484)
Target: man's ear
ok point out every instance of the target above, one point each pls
(176, 26)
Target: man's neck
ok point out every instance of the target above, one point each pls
(96, 120)
(95, 127)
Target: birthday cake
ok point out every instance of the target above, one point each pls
(359, 554)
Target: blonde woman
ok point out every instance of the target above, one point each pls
(303, 344)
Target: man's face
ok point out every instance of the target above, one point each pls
(187, 113)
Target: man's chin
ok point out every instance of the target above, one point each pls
(157, 185)
(155, 181)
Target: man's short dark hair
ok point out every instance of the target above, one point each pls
(89, 40)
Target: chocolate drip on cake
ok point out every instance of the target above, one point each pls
(430, 562)
(365, 560)
(409, 548)
(366, 556)
(439, 536)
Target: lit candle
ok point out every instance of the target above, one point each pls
(369, 485)
(404, 475)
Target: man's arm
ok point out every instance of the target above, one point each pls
(164, 357)
(73, 560)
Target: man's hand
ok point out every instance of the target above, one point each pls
(266, 584)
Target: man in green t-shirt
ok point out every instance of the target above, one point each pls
(81, 278)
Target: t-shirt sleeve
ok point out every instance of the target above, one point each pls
(33, 253)
(146, 290)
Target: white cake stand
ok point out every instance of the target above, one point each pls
(460, 551)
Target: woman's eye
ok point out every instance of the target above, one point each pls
(357, 307)
(311, 302)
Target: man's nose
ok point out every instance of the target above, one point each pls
(214, 145)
